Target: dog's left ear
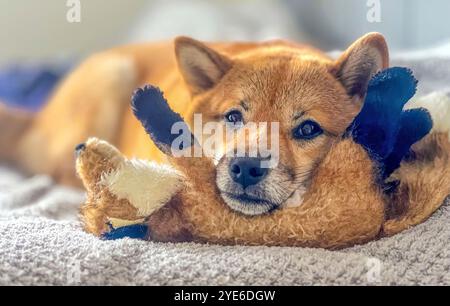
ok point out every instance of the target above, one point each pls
(362, 60)
(202, 67)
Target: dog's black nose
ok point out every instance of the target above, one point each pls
(247, 171)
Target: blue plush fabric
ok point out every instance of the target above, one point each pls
(382, 127)
(29, 86)
(138, 231)
(414, 125)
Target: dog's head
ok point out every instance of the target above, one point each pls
(311, 97)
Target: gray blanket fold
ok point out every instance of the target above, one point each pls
(41, 242)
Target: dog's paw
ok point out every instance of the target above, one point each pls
(159, 120)
(382, 127)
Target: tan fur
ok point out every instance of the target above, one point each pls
(13, 122)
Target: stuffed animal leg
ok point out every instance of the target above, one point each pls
(121, 192)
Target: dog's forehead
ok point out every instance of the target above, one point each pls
(289, 79)
(293, 85)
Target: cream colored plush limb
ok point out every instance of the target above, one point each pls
(121, 191)
(438, 104)
(146, 185)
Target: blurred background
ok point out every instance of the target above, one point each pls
(39, 32)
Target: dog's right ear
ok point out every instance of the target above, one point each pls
(362, 60)
(201, 67)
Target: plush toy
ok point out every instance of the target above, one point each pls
(372, 183)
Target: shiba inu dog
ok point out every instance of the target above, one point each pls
(313, 97)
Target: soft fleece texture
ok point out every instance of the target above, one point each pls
(42, 243)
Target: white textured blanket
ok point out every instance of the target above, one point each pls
(41, 242)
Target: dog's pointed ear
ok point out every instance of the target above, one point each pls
(362, 60)
(201, 67)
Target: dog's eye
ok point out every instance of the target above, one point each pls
(307, 130)
(234, 116)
